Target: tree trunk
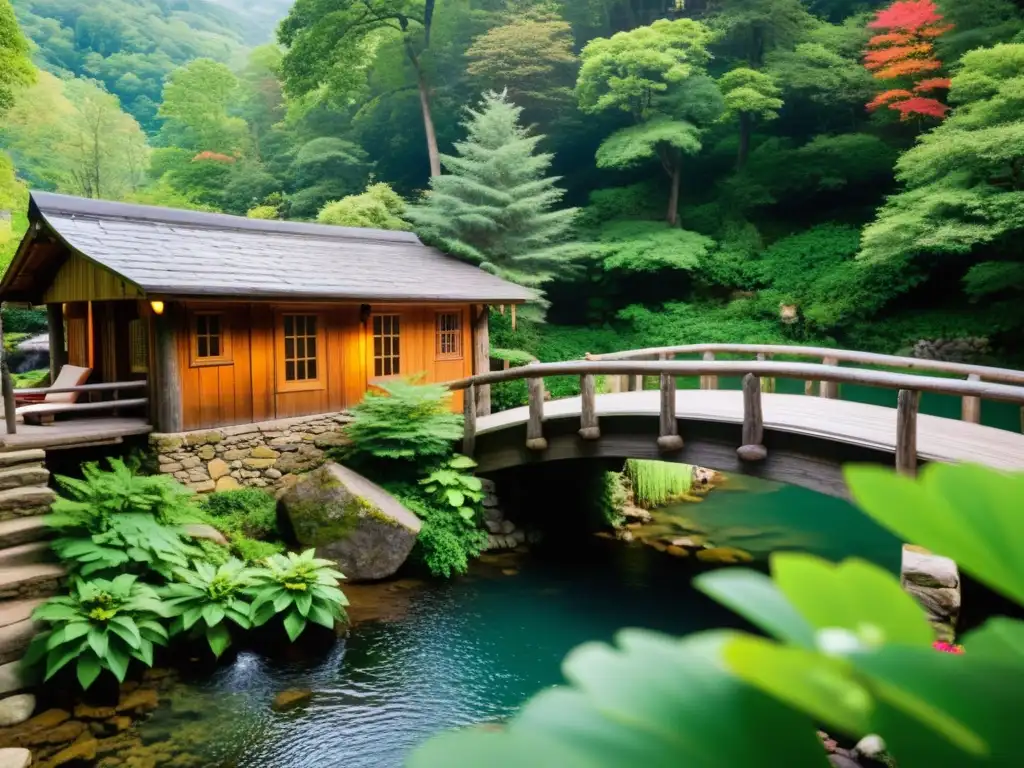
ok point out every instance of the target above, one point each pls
(746, 126)
(673, 199)
(428, 119)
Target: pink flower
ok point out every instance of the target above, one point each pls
(939, 645)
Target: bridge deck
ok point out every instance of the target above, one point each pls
(871, 426)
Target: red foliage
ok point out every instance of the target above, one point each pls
(933, 84)
(883, 56)
(215, 157)
(907, 15)
(892, 38)
(920, 106)
(884, 98)
(907, 68)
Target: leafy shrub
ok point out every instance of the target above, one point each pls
(853, 653)
(110, 520)
(450, 488)
(248, 512)
(28, 321)
(379, 207)
(206, 599)
(447, 540)
(100, 625)
(408, 424)
(300, 588)
(253, 551)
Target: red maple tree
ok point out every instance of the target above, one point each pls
(904, 50)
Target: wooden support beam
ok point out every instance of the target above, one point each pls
(668, 433)
(753, 421)
(906, 431)
(589, 426)
(7, 385)
(829, 389)
(709, 382)
(535, 426)
(970, 408)
(168, 414)
(469, 420)
(482, 357)
(809, 388)
(767, 382)
(58, 351)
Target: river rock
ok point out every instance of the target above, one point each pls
(15, 758)
(290, 698)
(724, 555)
(14, 677)
(352, 521)
(16, 709)
(871, 746)
(83, 750)
(204, 531)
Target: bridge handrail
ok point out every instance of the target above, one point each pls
(983, 372)
(805, 371)
(752, 448)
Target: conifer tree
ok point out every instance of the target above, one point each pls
(496, 206)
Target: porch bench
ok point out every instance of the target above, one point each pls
(44, 413)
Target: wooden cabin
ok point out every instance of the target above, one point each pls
(232, 320)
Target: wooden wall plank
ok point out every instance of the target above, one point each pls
(79, 279)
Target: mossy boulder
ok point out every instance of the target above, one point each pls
(352, 521)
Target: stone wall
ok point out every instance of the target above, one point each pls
(261, 455)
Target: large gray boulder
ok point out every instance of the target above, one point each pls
(352, 521)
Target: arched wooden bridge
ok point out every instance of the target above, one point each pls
(798, 439)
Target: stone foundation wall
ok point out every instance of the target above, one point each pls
(261, 455)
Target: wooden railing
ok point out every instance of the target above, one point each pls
(114, 389)
(752, 372)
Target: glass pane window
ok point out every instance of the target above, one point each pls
(209, 336)
(448, 344)
(386, 350)
(300, 347)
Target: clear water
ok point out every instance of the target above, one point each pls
(428, 657)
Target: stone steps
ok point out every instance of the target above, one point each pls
(30, 580)
(17, 627)
(29, 553)
(25, 502)
(15, 458)
(24, 475)
(22, 530)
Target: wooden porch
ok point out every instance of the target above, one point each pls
(76, 433)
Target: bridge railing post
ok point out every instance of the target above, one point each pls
(668, 433)
(752, 448)
(829, 389)
(767, 382)
(469, 420)
(709, 382)
(970, 408)
(535, 440)
(906, 431)
(589, 426)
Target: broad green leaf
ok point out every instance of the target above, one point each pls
(126, 629)
(461, 462)
(87, 669)
(58, 659)
(219, 638)
(472, 483)
(854, 595)
(756, 598)
(455, 497)
(998, 639)
(466, 513)
(820, 686)
(962, 698)
(294, 623)
(968, 513)
(213, 614)
(282, 601)
(321, 616)
(190, 617)
(117, 661)
(98, 641)
(303, 600)
(144, 653)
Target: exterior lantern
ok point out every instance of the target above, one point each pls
(157, 306)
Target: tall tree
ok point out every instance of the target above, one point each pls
(963, 183)
(16, 68)
(655, 75)
(531, 57)
(749, 30)
(332, 43)
(197, 102)
(749, 95)
(904, 51)
(496, 205)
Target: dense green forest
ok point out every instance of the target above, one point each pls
(833, 171)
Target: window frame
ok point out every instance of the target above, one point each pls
(300, 385)
(138, 341)
(225, 357)
(456, 334)
(372, 369)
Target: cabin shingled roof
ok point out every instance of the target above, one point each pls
(188, 253)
